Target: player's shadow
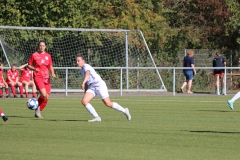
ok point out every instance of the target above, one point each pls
(219, 132)
(53, 120)
(66, 120)
(20, 117)
(217, 111)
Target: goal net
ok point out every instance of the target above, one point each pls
(121, 57)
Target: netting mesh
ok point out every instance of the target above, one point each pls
(100, 49)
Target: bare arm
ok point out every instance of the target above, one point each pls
(10, 79)
(52, 71)
(22, 66)
(3, 79)
(84, 84)
(32, 68)
(194, 70)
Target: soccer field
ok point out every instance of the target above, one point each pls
(163, 127)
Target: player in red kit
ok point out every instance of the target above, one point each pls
(5, 118)
(13, 80)
(41, 63)
(27, 80)
(3, 84)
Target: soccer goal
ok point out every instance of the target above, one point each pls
(121, 57)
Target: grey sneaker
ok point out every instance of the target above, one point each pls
(127, 113)
(97, 119)
(38, 115)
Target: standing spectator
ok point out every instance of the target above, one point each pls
(3, 83)
(188, 61)
(219, 61)
(5, 118)
(13, 80)
(94, 85)
(27, 80)
(41, 63)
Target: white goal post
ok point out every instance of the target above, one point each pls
(104, 48)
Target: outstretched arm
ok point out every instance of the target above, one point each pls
(23, 66)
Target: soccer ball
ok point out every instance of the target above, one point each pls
(32, 104)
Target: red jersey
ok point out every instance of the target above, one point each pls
(1, 75)
(13, 74)
(26, 75)
(42, 63)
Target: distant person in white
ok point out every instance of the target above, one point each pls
(94, 85)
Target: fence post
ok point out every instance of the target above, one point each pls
(174, 81)
(66, 81)
(121, 82)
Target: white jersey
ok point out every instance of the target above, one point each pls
(93, 78)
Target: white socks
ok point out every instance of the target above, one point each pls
(91, 110)
(37, 111)
(236, 97)
(118, 107)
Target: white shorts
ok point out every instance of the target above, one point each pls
(99, 89)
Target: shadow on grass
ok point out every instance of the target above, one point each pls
(20, 117)
(221, 132)
(54, 120)
(217, 111)
(67, 120)
(12, 124)
(195, 93)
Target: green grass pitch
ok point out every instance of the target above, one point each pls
(163, 127)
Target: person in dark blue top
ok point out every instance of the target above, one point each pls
(189, 73)
(219, 61)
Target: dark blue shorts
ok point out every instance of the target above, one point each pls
(188, 74)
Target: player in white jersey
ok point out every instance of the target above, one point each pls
(94, 85)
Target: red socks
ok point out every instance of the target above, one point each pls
(21, 90)
(34, 95)
(13, 90)
(42, 102)
(6, 90)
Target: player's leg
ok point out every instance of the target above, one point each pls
(20, 88)
(1, 90)
(43, 98)
(102, 91)
(231, 101)
(5, 118)
(34, 90)
(25, 85)
(12, 86)
(87, 97)
(41, 102)
(117, 107)
(6, 90)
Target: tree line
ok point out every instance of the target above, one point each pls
(168, 25)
